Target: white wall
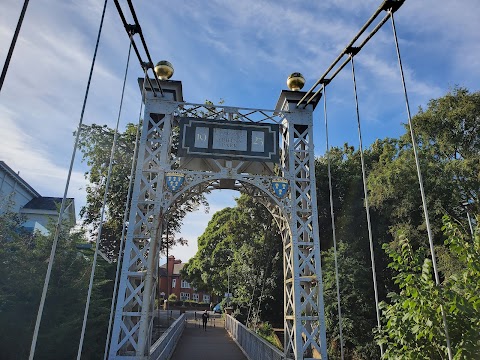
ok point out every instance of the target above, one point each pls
(11, 190)
(41, 218)
(14, 196)
(36, 227)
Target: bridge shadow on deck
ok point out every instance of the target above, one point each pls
(212, 344)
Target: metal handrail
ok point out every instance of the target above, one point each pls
(253, 346)
(163, 348)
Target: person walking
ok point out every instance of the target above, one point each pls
(205, 317)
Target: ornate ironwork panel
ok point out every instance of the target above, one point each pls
(163, 181)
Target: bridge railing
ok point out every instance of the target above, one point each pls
(252, 345)
(163, 348)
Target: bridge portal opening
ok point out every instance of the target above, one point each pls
(187, 149)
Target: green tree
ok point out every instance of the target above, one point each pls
(355, 269)
(241, 244)
(23, 263)
(413, 322)
(19, 292)
(357, 305)
(449, 130)
(95, 143)
(448, 134)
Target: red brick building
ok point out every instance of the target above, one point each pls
(176, 285)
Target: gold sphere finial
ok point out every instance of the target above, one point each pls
(164, 70)
(295, 81)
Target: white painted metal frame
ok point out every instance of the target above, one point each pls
(305, 335)
(296, 215)
(164, 347)
(250, 342)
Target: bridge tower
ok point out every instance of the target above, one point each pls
(223, 147)
(304, 322)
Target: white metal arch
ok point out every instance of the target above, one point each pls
(279, 208)
(296, 214)
(194, 182)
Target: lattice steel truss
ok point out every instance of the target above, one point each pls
(305, 335)
(152, 202)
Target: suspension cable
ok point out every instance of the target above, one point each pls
(12, 44)
(251, 303)
(102, 215)
(333, 222)
(158, 281)
(263, 276)
(259, 302)
(125, 218)
(131, 31)
(420, 182)
(142, 38)
(387, 5)
(62, 207)
(367, 209)
(254, 288)
(168, 280)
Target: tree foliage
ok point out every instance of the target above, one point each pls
(356, 296)
(447, 135)
(353, 255)
(414, 327)
(449, 152)
(95, 144)
(241, 244)
(23, 263)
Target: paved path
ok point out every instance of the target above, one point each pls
(212, 344)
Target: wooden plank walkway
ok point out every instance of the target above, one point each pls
(212, 344)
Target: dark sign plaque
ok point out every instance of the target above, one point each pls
(231, 140)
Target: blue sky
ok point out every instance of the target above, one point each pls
(239, 51)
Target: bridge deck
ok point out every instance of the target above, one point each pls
(212, 344)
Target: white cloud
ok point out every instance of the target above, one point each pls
(195, 223)
(241, 51)
(22, 153)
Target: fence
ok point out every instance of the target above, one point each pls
(165, 345)
(252, 345)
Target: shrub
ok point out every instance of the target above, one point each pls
(414, 327)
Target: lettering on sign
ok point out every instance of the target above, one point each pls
(201, 137)
(229, 139)
(258, 141)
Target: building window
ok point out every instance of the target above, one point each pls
(184, 296)
(174, 283)
(206, 298)
(185, 285)
(195, 297)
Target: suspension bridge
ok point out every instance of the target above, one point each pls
(266, 153)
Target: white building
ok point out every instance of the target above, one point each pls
(17, 196)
